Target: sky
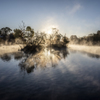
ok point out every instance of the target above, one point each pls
(73, 17)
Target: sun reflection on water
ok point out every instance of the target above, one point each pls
(46, 58)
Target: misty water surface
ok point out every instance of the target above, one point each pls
(50, 75)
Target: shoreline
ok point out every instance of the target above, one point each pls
(88, 49)
(16, 48)
(10, 48)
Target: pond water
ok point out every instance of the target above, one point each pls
(50, 75)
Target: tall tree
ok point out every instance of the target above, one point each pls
(30, 31)
(28, 28)
(18, 33)
(0, 32)
(6, 30)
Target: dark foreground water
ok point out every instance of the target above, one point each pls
(50, 75)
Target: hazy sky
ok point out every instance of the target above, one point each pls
(79, 17)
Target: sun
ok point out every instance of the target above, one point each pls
(49, 31)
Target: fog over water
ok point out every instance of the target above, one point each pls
(50, 74)
(49, 49)
(85, 48)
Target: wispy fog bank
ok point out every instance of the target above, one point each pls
(88, 49)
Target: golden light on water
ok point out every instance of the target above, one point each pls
(42, 59)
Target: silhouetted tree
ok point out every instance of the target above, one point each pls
(11, 38)
(0, 32)
(30, 31)
(18, 33)
(65, 40)
(28, 28)
(4, 32)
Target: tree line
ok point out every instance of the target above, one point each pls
(91, 39)
(28, 36)
(7, 35)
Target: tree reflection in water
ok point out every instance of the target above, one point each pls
(5, 57)
(8, 56)
(88, 54)
(45, 58)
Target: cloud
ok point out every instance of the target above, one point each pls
(75, 9)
